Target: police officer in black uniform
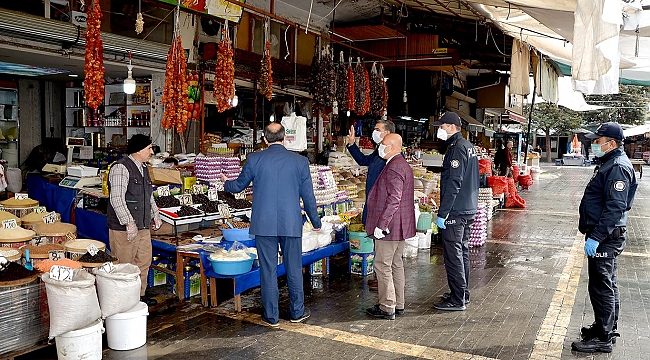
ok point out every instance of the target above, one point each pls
(459, 185)
(603, 217)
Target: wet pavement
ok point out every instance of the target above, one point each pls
(528, 298)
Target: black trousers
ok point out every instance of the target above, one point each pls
(603, 289)
(455, 251)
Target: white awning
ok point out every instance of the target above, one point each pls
(637, 130)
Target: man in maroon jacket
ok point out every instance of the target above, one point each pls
(391, 219)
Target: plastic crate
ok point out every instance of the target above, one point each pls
(362, 263)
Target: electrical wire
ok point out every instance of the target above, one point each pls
(331, 11)
(311, 6)
(495, 42)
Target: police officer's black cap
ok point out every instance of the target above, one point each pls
(449, 117)
(609, 129)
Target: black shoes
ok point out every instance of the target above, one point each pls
(268, 322)
(588, 332)
(447, 296)
(376, 311)
(448, 306)
(149, 301)
(305, 315)
(399, 311)
(592, 345)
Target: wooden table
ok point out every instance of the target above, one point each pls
(182, 258)
(638, 166)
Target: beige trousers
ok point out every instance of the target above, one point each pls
(136, 252)
(389, 269)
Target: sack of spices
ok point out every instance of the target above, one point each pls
(73, 304)
(119, 289)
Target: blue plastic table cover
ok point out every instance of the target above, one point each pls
(91, 225)
(251, 279)
(52, 196)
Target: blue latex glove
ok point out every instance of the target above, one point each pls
(590, 247)
(440, 222)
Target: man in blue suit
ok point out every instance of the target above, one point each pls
(280, 179)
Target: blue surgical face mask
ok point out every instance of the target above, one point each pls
(597, 150)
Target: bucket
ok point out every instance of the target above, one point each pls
(85, 343)
(534, 173)
(424, 221)
(11, 155)
(360, 242)
(424, 240)
(410, 247)
(127, 330)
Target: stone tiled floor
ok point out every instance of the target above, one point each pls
(528, 288)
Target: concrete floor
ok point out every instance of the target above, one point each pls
(528, 286)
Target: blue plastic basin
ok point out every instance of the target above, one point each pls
(232, 267)
(236, 234)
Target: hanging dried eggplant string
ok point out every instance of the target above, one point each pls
(224, 78)
(342, 84)
(139, 22)
(351, 87)
(360, 88)
(266, 78)
(384, 92)
(313, 75)
(326, 76)
(376, 90)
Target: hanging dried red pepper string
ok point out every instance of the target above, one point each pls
(94, 57)
(224, 78)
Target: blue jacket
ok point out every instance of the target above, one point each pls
(375, 166)
(280, 179)
(459, 181)
(608, 197)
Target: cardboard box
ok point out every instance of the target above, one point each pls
(160, 176)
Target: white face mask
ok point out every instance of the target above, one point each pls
(382, 151)
(376, 136)
(442, 134)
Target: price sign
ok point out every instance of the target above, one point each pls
(212, 195)
(163, 191)
(9, 224)
(329, 211)
(50, 218)
(39, 240)
(242, 157)
(20, 196)
(56, 255)
(197, 189)
(40, 210)
(224, 211)
(92, 249)
(107, 267)
(61, 273)
(185, 199)
(240, 196)
(218, 185)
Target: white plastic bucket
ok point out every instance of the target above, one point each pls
(410, 247)
(534, 173)
(127, 330)
(84, 344)
(424, 240)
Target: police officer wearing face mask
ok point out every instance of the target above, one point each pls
(459, 185)
(374, 162)
(603, 217)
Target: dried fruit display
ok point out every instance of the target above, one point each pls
(366, 93)
(266, 74)
(377, 88)
(94, 57)
(384, 91)
(175, 93)
(342, 84)
(351, 85)
(224, 79)
(360, 85)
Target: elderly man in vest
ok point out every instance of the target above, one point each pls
(132, 209)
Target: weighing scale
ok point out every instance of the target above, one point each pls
(80, 177)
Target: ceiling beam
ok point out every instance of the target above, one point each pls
(470, 8)
(446, 7)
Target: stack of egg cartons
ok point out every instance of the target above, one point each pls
(485, 196)
(478, 230)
